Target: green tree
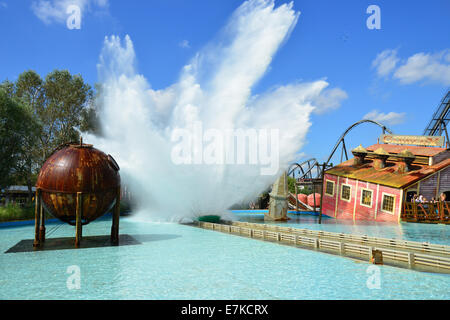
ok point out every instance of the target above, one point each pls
(18, 129)
(291, 187)
(66, 97)
(90, 120)
(60, 106)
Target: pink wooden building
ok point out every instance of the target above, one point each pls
(376, 183)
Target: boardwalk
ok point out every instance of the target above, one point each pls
(395, 252)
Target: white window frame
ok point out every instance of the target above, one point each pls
(334, 187)
(393, 207)
(371, 198)
(342, 187)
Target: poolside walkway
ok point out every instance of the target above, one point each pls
(400, 253)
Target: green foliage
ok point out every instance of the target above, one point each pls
(13, 212)
(66, 97)
(18, 129)
(90, 120)
(16, 212)
(291, 187)
(44, 114)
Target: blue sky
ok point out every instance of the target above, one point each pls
(330, 41)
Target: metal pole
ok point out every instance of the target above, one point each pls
(314, 194)
(115, 220)
(78, 225)
(42, 227)
(37, 219)
(296, 194)
(446, 135)
(321, 192)
(345, 149)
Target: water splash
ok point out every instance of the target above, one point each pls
(214, 89)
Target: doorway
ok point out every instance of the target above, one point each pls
(410, 195)
(447, 195)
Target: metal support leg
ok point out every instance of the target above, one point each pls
(42, 227)
(37, 219)
(115, 220)
(78, 225)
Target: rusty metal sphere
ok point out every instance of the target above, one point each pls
(74, 168)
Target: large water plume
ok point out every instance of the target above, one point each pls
(214, 89)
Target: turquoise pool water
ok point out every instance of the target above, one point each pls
(175, 261)
(422, 232)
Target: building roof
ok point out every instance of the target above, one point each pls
(17, 189)
(416, 150)
(388, 175)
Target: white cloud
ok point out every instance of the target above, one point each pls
(49, 11)
(391, 118)
(329, 99)
(385, 62)
(184, 44)
(420, 67)
(425, 67)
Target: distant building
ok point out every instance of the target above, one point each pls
(14, 194)
(376, 183)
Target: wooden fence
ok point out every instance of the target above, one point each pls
(410, 254)
(428, 212)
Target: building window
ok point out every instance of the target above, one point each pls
(366, 197)
(346, 192)
(388, 203)
(329, 188)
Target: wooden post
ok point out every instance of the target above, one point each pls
(79, 215)
(411, 259)
(321, 193)
(376, 256)
(37, 219)
(42, 227)
(115, 220)
(314, 196)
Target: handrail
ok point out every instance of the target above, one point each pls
(434, 212)
(400, 253)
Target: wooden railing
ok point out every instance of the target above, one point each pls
(431, 212)
(401, 253)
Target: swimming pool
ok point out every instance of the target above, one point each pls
(175, 261)
(422, 232)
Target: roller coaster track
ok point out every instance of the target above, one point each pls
(310, 172)
(305, 169)
(342, 138)
(441, 117)
(311, 169)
